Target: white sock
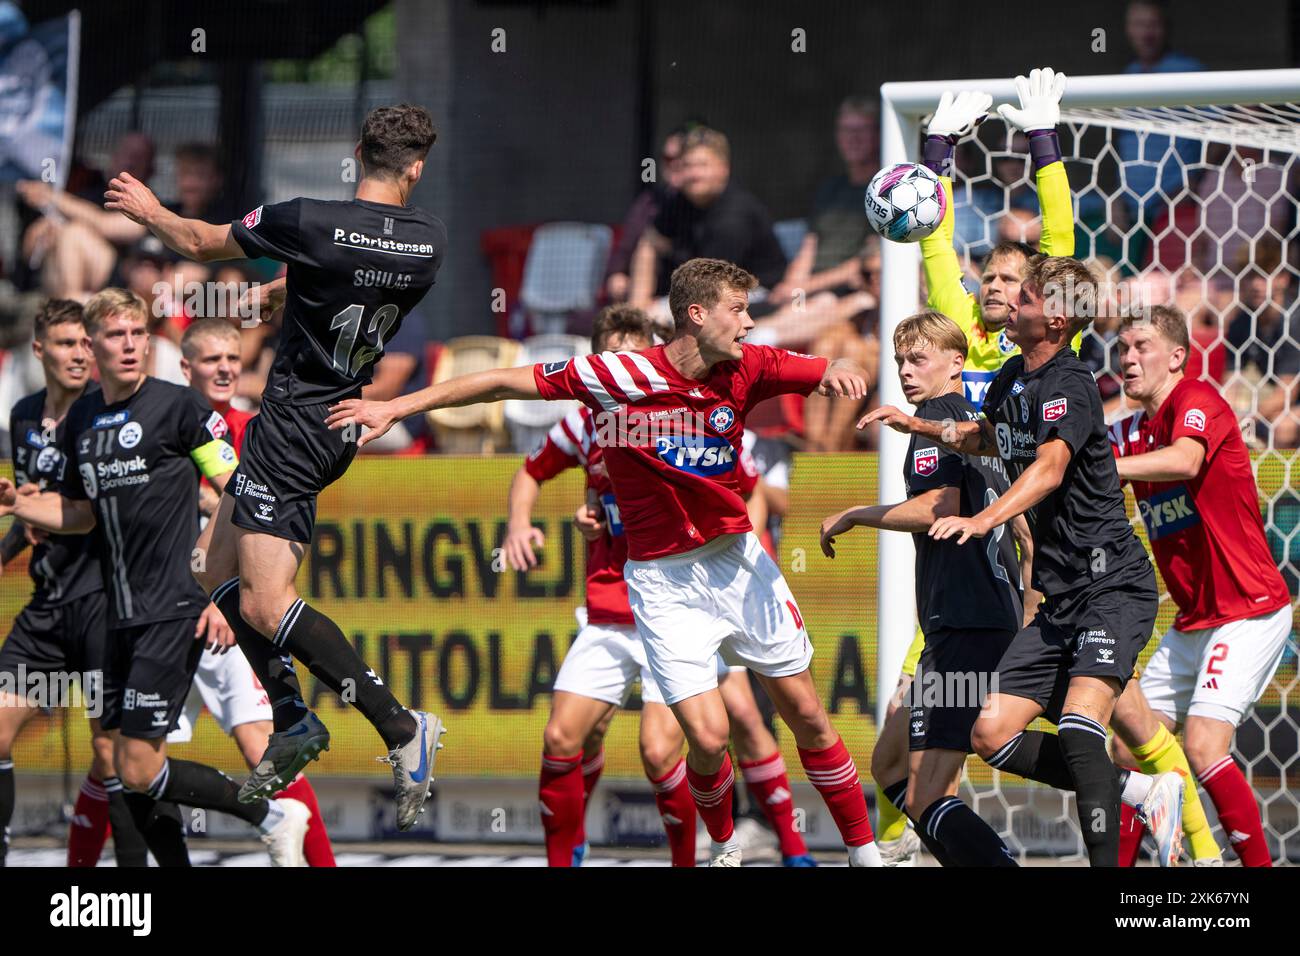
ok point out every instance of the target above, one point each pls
(274, 814)
(865, 855)
(731, 845)
(1136, 788)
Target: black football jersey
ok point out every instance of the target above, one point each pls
(1081, 530)
(134, 461)
(63, 567)
(356, 268)
(971, 585)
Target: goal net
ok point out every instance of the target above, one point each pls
(1185, 192)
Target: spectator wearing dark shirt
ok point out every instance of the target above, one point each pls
(1263, 362)
(646, 206)
(711, 217)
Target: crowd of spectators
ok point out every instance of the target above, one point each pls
(1202, 226)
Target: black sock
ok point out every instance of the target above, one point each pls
(317, 641)
(966, 838)
(896, 793)
(161, 828)
(1096, 786)
(272, 667)
(198, 785)
(7, 801)
(129, 845)
(1035, 755)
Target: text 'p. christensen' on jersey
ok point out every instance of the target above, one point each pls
(138, 463)
(356, 268)
(1081, 530)
(672, 444)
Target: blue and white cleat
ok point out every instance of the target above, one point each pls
(803, 860)
(287, 752)
(412, 765)
(1162, 812)
(580, 853)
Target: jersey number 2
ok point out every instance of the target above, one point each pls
(349, 359)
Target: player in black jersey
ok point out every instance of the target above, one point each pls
(1043, 419)
(133, 453)
(61, 630)
(968, 599)
(356, 268)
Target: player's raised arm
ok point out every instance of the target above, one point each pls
(956, 116)
(1039, 112)
(967, 438)
(493, 385)
(192, 238)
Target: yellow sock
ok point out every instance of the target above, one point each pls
(890, 822)
(1161, 754)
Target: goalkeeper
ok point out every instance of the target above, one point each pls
(983, 319)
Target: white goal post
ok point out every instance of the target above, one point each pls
(1220, 113)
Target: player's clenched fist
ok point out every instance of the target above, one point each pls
(8, 497)
(131, 198)
(888, 415)
(590, 521)
(358, 414)
(519, 545)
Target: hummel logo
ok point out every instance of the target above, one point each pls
(375, 678)
(388, 225)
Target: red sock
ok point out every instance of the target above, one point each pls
(560, 793)
(835, 775)
(1130, 835)
(712, 793)
(591, 768)
(1238, 812)
(89, 828)
(677, 810)
(316, 844)
(770, 788)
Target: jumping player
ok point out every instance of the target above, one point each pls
(1043, 418)
(133, 453)
(1191, 476)
(968, 598)
(670, 421)
(356, 268)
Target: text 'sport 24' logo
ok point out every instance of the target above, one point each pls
(925, 461)
(1054, 410)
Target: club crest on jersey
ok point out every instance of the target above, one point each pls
(253, 218)
(722, 418)
(47, 459)
(550, 368)
(216, 425)
(1054, 410)
(1005, 345)
(111, 419)
(1195, 418)
(697, 454)
(925, 461)
(130, 435)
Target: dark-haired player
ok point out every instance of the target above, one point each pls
(356, 268)
(132, 456)
(62, 628)
(699, 581)
(1043, 418)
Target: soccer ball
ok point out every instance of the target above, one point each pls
(905, 202)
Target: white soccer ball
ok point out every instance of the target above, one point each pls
(905, 202)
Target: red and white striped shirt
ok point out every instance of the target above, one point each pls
(671, 444)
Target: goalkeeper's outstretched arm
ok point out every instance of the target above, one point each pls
(1039, 113)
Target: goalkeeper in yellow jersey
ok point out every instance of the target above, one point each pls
(983, 318)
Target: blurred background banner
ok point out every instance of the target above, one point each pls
(38, 95)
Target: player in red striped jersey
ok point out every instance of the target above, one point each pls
(607, 656)
(670, 421)
(1191, 474)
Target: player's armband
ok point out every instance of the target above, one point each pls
(215, 459)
